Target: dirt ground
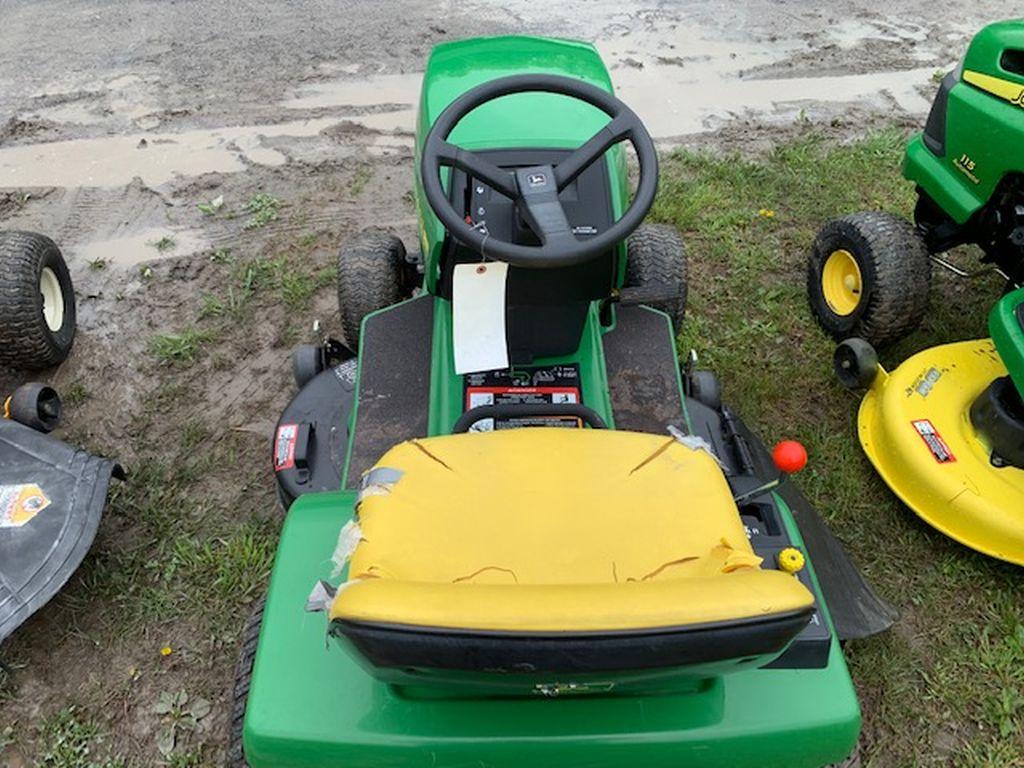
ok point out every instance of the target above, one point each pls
(118, 119)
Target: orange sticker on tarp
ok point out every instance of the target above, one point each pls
(20, 503)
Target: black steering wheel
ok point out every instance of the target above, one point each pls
(535, 189)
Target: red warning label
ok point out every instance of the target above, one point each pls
(555, 384)
(934, 441)
(284, 446)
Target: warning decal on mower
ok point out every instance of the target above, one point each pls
(548, 384)
(20, 503)
(284, 446)
(934, 441)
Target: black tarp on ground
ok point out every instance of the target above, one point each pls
(40, 551)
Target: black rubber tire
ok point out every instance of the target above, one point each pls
(371, 269)
(307, 361)
(895, 273)
(36, 406)
(26, 341)
(656, 259)
(235, 756)
(855, 362)
(705, 388)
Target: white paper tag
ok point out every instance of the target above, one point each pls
(478, 317)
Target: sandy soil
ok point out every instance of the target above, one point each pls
(117, 119)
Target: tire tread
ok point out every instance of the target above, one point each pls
(657, 256)
(369, 278)
(235, 757)
(25, 340)
(899, 279)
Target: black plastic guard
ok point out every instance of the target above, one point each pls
(856, 610)
(38, 554)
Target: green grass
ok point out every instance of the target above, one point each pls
(945, 686)
(189, 559)
(75, 393)
(165, 243)
(71, 740)
(262, 209)
(291, 277)
(180, 348)
(360, 179)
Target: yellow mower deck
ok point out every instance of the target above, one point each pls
(915, 427)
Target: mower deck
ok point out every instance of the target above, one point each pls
(915, 429)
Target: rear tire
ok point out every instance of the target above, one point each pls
(868, 275)
(371, 267)
(235, 757)
(37, 302)
(656, 260)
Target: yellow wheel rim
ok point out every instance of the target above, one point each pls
(841, 282)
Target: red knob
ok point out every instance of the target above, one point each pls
(789, 456)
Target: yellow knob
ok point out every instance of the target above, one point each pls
(791, 560)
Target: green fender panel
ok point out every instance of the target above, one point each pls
(312, 705)
(984, 126)
(1006, 324)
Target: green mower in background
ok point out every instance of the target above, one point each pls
(574, 554)
(945, 429)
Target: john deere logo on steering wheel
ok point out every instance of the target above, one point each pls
(537, 179)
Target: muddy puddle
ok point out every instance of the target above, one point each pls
(155, 158)
(682, 79)
(682, 83)
(127, 169)
(136, 248)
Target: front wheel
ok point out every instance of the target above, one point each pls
(656, 260)
(371, 268)
(868, 275)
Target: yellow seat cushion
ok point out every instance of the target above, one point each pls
(555, 530)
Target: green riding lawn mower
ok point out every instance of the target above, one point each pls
(945, 429)
(518, 531)
(51, 494)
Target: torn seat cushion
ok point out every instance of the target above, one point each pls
(541, 530)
